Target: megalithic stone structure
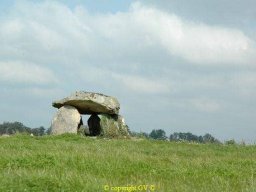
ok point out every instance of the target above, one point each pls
(104, 110)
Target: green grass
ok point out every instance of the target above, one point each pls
(75, 163)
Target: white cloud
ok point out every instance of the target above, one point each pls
(53, 35)
(195, 42)
(43, 92)
(198, 104)
(244, 83)
(205, 105)
(19, 72)
(11, 28)
(142, 85)
(138, 84)
(76, 34)
(34, 30)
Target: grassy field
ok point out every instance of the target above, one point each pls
(75, 163)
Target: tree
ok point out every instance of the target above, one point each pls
(230, 142)
(139, 135)
(38, 131)
(207, 138)
(158, 134)
(48, 131)
(12, 128)
(41, 130)
(17, 127)
(183, 137)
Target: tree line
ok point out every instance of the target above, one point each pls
(159, 134)
(17, 127)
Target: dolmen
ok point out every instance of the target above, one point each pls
(104, 117)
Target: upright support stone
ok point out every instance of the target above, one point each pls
(123, 128)
(113, 126)
(66, 120)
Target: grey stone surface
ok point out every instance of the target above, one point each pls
(123, 128)
(87, 131)
(107, 125)
(66, 120)
(113, 126)
(90, 103)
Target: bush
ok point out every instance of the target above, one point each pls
(230, 142)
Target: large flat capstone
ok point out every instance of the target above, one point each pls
(90, 103)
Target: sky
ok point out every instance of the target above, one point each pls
(176, 65)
